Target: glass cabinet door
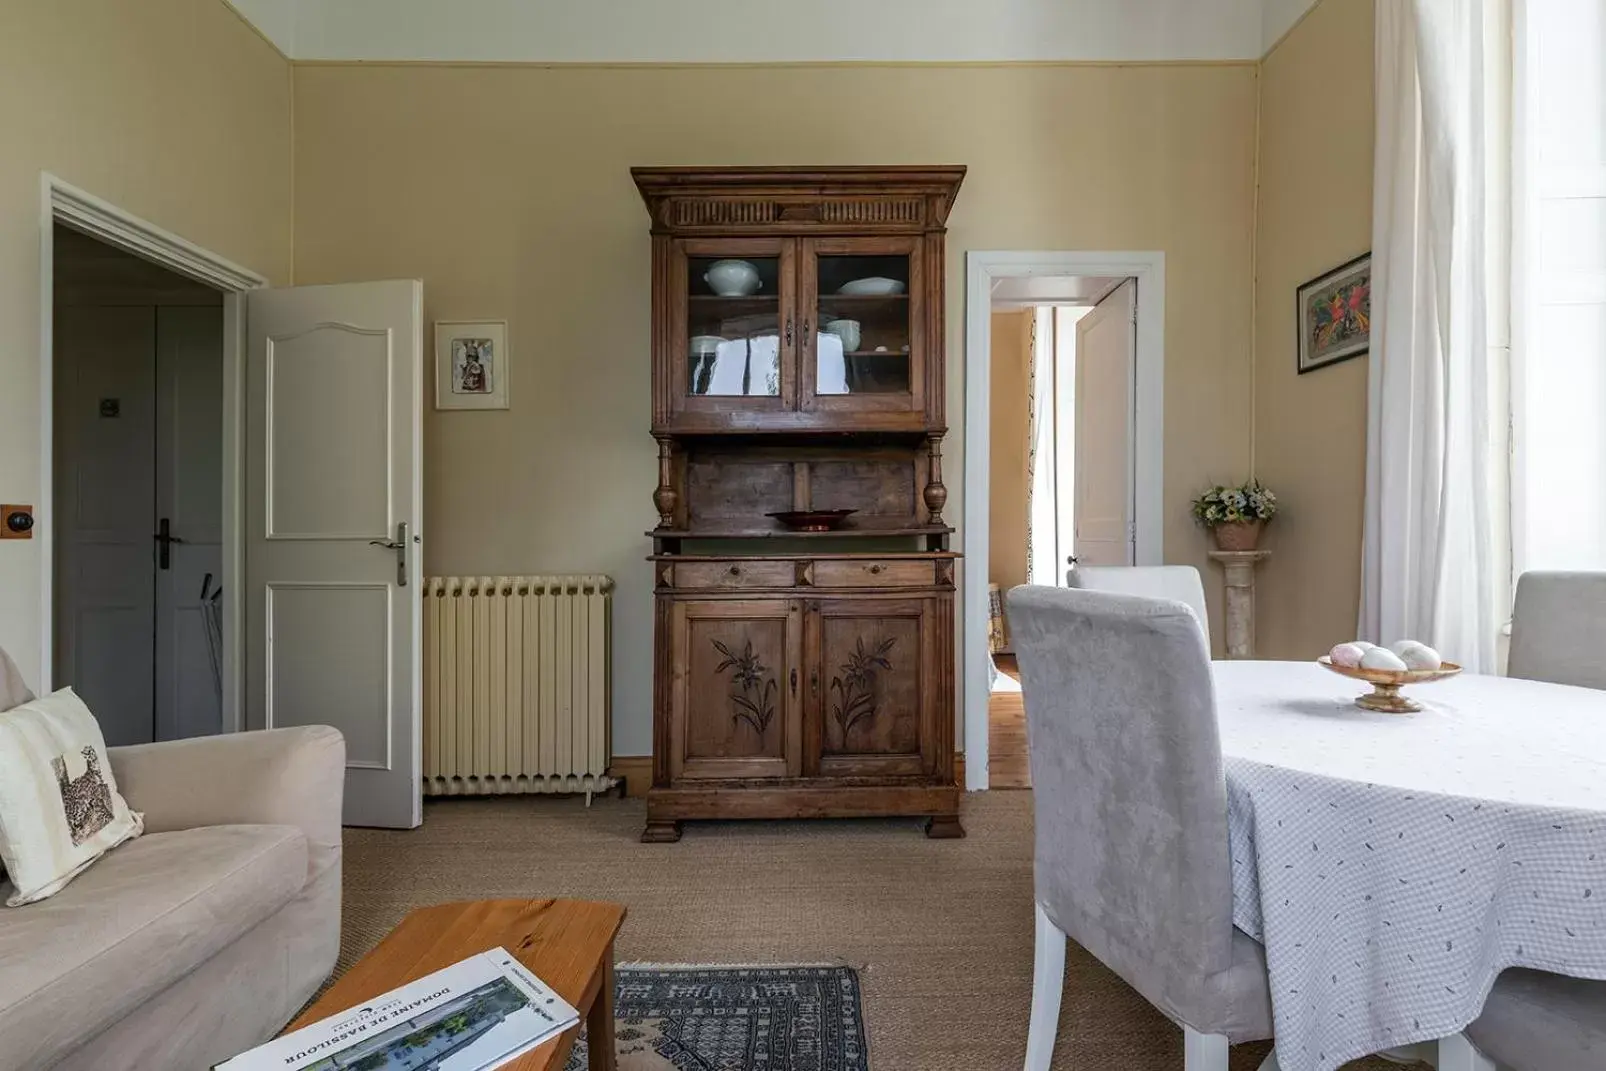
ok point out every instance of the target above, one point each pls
(864, 336)
(734, 332)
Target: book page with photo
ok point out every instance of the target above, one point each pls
(471, 1016)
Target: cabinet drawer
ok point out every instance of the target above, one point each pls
(733, 575)
(870, 573)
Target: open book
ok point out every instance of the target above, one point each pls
(472, 1016)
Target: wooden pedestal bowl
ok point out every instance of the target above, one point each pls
(1385, 695)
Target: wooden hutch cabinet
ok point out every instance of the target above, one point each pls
(797, 349)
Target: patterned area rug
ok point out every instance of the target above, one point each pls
(735, 1019)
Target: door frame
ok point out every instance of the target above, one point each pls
(61, 202)
(982, 268)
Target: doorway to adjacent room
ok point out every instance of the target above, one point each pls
(1063, 442)
(137, 400)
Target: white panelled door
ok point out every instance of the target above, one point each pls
(106, 515)
(189, 507)
(334, 387)
(1106, 369)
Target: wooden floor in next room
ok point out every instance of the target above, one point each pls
(1006, 729)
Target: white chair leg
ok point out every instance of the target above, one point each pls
(1457, 1053)
(1270, 1062)
(1203, 1052)
(1048, 982)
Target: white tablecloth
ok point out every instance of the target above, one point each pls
(1394, 865)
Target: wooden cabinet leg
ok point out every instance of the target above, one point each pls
(944, 827)
(600, 1054)
(660, 832)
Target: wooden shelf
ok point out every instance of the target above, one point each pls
(892, 555)
(863, 307)
(703, 306)
(856, 531)
(877, 353)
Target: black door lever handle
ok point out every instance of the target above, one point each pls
(164, 543)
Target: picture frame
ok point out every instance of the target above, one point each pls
(471, 364)
(1333, 315)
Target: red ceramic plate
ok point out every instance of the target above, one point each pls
(812, 520)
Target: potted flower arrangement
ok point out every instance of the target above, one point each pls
(1235, 515)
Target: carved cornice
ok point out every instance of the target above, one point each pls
(839, 200)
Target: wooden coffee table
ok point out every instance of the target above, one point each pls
(567, 943)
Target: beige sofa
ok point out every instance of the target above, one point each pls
(202, 937)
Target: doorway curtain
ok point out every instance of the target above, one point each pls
(1430, 556)
(1042, 521)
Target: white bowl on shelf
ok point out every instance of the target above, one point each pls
(704, 345)
(732, 278)
(874, 286)
(847, 330)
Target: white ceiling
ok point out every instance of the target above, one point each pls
(771, 31)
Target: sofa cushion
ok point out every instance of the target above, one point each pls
(143, 916)
(59, 805)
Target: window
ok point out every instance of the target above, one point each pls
(1558, 313)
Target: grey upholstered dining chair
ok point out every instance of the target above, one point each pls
(1131, 817)
(1534, 1021)
(1179, 582)
(1558, 629)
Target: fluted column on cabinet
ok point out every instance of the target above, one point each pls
(665, 498)
(936, 494)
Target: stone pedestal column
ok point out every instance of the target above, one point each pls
(1239, 565)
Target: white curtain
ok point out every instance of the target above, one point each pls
(1430, 562)
(1042, 560)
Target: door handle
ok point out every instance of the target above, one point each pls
(794, 680)
(399, 545)
(164, 543)
(789, 331)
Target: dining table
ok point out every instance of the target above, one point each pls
(1392, 865)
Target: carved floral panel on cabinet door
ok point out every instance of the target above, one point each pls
(735, 683)
(870, 682)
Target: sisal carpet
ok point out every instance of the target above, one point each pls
(940, 932)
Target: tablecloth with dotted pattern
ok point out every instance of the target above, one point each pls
(1393, 865)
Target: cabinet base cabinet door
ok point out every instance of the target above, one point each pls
(733, 699)
(872, 699)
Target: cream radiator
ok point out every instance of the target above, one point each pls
(516, 684)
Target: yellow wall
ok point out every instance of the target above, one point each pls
(507, 189)
(1011, 405)
(1315, 212)
(174, 110)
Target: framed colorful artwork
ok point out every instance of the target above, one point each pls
(471, 364)
(1335, 315)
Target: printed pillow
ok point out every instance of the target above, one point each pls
(59, 805)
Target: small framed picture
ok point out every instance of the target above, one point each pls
(471, 364)
(1335, 315)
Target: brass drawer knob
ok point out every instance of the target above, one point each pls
(736, 570)
(875, 570)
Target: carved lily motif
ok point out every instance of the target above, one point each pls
(855, 689)
(755, 702)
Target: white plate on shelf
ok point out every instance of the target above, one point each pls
(874, 286)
